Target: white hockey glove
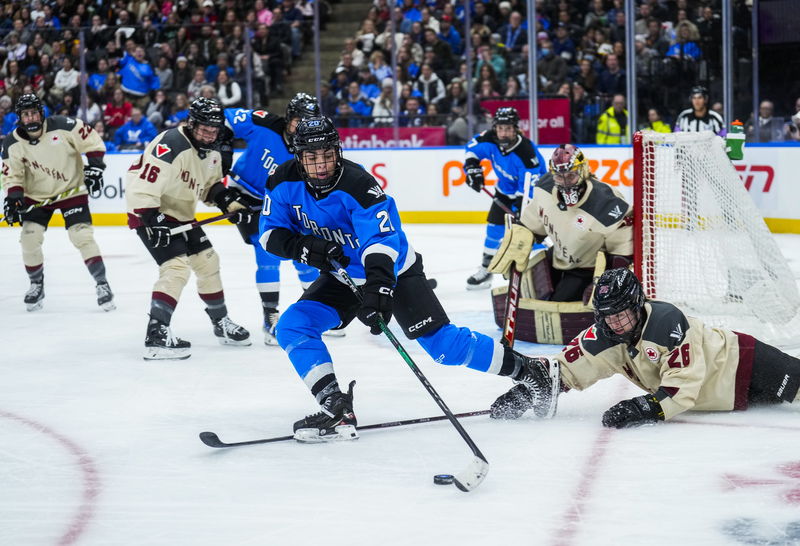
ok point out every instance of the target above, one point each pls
(515, 247)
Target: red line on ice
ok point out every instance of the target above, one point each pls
(91, 479)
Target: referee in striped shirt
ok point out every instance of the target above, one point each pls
(699, 117)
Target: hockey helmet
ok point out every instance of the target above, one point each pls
(506, 116)
(313, 134)
(616, 291)
(302, 106)
(699, 90)
(570, 171)
(30, 101)
(204, 112)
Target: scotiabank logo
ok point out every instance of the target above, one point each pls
(453, 175)
(762, 173)
(374, 141)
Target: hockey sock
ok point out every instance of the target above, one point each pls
(162, 306)
(511, 365)
(325, 387)
(36, 273)
(269, 300)
(215, 304)
(97, 268)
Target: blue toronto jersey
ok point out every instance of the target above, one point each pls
(518, 163)
(357, 214)
(266, 148)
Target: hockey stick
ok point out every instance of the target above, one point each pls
(500, 204)
(198, 223)
(472, 476)
(240, 182)
(59, 197)
(212, 440)
(512, 299)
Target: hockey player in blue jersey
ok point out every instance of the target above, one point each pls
(268, 138)
(516, 161)
(320, 207)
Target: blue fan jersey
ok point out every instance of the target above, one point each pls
(357, 214)
(266, 148)
(513, 166)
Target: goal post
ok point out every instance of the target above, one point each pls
(701, 243)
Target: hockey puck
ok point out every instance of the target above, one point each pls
(443, 479)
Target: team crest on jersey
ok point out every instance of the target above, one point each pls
(651, 353)
(591, 334)
(580, 221)
(162, 150)
(55, 139)
(260, 113)
(214, 162)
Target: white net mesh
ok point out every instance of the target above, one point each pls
(705, 246)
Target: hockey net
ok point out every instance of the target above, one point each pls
(702, 244)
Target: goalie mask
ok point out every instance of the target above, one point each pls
(509, 119)
(204, 124)
(26, 103)
(619, 305)
(318, 152)
(570, 171)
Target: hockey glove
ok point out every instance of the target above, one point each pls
(641, 410)
(158, 228)
(232, 201)
(318, 253)
(475, 179)
(515, 248)
(378, 299)
(226, 149)
(93, 178)
(13, 207)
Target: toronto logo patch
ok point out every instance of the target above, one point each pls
(162, 150)
(651, 353)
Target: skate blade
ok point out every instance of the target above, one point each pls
(334, 333)
(482, 286)
(108, 306)
(270, 340)
(240, 343)
(159, 353)
(311, 435)
(35, 306)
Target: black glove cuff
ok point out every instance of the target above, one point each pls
(150, 217)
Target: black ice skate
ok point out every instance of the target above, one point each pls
(538, 385)
(480, 280)
(230, 333)
(335, 421)
(105, 298)
(34, 297)
(271, 316)
(161, 344)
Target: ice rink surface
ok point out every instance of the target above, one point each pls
(100, 448)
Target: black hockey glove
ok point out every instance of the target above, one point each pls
(475, 178)
(318, 253)
(226, 149)
(158, 228)
(641, 410)
(229, 200)
(378, 298)
(93, 178)
(13, 207)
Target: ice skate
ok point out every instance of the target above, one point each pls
(336, 420)
(34, 297)
(271, 316)
(538, 385)
(105, 298)
(161, 344)
(335, 332)
(480, 280)
(230, 333)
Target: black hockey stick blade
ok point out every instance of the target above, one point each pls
(212, 440)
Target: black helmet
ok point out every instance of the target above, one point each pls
(505, 116)
(302, 106)
(318, 133)
(566, 159)
(699, 90)
(616, 291)
(30, 101)
(204, 111)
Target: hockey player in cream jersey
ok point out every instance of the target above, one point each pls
(581, 215)
(180, 167)
(42, 159)
(681, 363)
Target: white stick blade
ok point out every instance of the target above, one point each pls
(472, 476)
